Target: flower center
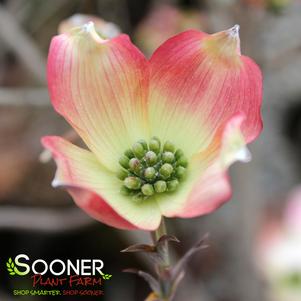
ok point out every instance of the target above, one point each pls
(149, 169)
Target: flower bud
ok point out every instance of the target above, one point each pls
(172, 185)
(138, 150)
(150, 158)
(135, 165)
(168, 147)
(168, 157)
(147, 189)
(125, 191)
(143, 143)
(124, 161)
(160, 186)
(129, 153)
(182, 161)
(122, 174)
(150, 173)
(166, 170)
(180, 171)
(148, 168)
(179, 153)
(132, 183)
(155, 145)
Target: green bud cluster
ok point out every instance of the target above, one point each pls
(151, 168)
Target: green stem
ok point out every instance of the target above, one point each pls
(155, 235)
(161, 230)
(165, 287)
(159, 233)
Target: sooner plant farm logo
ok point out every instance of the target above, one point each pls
(59, 277)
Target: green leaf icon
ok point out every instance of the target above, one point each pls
(106, 276)
(10, 267)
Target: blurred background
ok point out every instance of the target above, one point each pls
(255, 240)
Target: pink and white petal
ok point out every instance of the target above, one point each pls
(198, 82)
(97, 190)
(207, 186)
(97, 208)
(210, 192)
(100, 87)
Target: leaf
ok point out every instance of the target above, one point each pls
(139, 248)
(8, 265)
(167, 238)
(149, 250)
(10, 270)
(162, 247)
(12, 265)
(10, 260)
(12, 273)
(154, 252)
(180, 266)
(153, 283)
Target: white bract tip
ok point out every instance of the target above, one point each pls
(244, 155)
(55, 183)
(233, 34)
(234, 31)
(45, 156)
(88, 27)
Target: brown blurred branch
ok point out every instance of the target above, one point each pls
(43, 220)
(19, 8)
(13, 35)
(24, 96)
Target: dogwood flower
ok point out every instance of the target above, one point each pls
(160, 133)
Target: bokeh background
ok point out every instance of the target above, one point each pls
(42, 222)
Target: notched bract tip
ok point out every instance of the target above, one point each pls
(55, 183)
(90, 30)
(224, 45)
(45, 156)
(234, 31)
(234, 34)
(244, 155)
(88, 27)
